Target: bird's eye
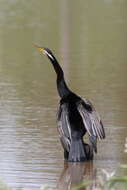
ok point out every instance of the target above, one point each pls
(45, 52)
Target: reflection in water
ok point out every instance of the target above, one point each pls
(75, 174)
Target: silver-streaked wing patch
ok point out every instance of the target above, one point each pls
(91, 119)
(64, 125)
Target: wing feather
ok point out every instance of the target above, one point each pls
(64, 126)
(91, 119)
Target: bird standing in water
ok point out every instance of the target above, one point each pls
(75, 117)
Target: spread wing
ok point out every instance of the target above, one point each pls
(64, 126)
(91, 119)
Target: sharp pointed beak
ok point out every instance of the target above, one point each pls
(40, 48)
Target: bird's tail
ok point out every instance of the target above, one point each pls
(77, 151)
(93, 141)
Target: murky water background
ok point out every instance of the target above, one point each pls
(89, 39)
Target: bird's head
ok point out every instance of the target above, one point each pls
(45, 51)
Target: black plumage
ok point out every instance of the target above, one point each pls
(75, 117)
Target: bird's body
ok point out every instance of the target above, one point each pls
(71, 129)
(75, 117)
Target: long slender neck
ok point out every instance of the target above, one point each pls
(62, 87)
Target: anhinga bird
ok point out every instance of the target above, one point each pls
(75, 117)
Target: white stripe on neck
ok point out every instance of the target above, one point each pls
(49, 55)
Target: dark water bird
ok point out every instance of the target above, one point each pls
(76, 117)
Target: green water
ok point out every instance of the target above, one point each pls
(89, 40)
